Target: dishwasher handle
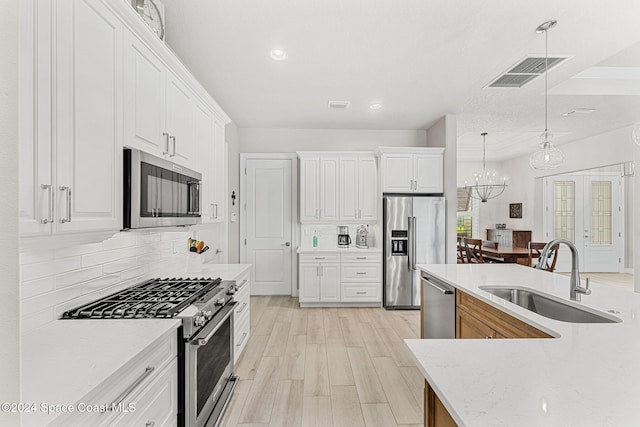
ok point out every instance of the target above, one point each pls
(439, 287)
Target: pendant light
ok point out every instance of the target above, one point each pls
(547, 156)
(485, 187)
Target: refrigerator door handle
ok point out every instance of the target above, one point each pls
(414, 244)
(410, 244)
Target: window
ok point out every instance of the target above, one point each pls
(466, 215)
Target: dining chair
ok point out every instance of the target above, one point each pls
(473, 248)
(535, 250)
(462, 255)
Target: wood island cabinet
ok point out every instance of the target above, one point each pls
(475, 319)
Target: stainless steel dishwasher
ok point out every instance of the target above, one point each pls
(439, 308)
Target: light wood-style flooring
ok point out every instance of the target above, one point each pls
(327, 367)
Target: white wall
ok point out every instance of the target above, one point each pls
(233, 185)
(444, 134)
(9, 287)
(259, 140)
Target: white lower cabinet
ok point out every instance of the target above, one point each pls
(242, 315)
(335, 278)
(144, 391)
(319, 279)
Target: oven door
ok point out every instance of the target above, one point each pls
(208, 366)
(161, 192)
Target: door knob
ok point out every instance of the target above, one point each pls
(285, 244)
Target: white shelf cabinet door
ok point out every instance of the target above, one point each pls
(203, 134)
(309, 189)
(398, 173)
(348, 189)
(428, 173)
(89, 124)
(36, 175)
(179, 121)
(329, 194)
(367, 189)
(309, 277)
(219, 171)
(330, 282)
(144, 99)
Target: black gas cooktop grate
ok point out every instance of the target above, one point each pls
(155, 298)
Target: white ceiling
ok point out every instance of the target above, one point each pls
(420, 59)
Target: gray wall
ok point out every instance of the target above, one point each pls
(253, 140)
(233, 185)
(9, 288)
(444, 134)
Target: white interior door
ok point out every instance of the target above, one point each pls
(269, 225)
(586, 210)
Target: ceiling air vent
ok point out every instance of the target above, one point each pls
(338, 105)
(525, 71)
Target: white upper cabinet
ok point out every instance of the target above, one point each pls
(309, 189)
(78, 186)
(319, 197)
(412, 170)
(219, 188)
(203, 133)
(89, 88)
(144, 99)
(329, 199)
(179, 121)
(358, 189)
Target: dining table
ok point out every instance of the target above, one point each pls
(511, 254)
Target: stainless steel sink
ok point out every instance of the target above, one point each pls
(548, 306)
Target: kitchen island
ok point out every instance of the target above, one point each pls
(586, 374)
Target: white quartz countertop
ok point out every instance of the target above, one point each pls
(223, 271)
(65, 360)
(336, 250)
(588, 375)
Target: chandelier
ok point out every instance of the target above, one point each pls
(485, 186)
(547, 156)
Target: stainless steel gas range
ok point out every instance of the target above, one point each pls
(205, 358)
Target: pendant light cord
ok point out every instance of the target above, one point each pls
(546, 72)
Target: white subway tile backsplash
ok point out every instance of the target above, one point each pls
(99, 283)
(36, 287)
(78, 276)
(36, 256)
(50, 299)
(120, 265)
(49, 268)
(57, 280)
(78, 250)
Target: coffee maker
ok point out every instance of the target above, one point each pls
(344, 240)
(362, 233)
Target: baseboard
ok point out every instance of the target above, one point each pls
(628, 270)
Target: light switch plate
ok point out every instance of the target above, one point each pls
(234, 217)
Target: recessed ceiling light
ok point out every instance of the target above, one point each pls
(579, 111)
(278, 55)
(375, 106)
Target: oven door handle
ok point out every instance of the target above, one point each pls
(207, 332)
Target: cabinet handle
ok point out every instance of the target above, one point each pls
(319, 257)
(68, 191)
(133, 386)
(488, 337)
(166, 142)
(361, 257)
(173, 140)
(244, 335)
(360, 272)
(244, 305)
(215, 210)
(150, 424)
(361, 293)
(50, 189)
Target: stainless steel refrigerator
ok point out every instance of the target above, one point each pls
(414, 228)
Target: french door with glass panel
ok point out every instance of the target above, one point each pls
(586, 210)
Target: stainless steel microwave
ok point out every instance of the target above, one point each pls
(159, 193)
